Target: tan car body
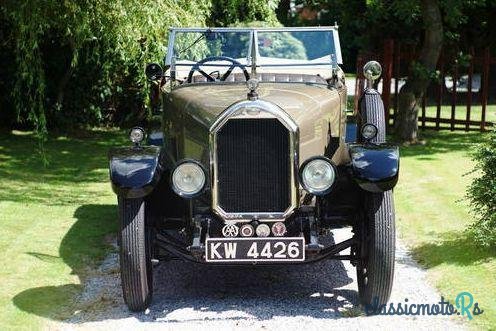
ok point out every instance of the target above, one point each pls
(318, 110)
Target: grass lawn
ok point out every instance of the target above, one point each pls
(432, 215)
(54, 222)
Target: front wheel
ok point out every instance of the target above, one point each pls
(135, 254)
(375, 269)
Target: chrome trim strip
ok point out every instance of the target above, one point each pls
(266, 110)
(168, 57)
(255, 54)
(284, 29)
(337, 44)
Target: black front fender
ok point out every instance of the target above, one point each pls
(375, 167)
(134, 171)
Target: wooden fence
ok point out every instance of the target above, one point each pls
(457, 100)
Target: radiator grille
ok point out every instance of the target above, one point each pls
(253, 164)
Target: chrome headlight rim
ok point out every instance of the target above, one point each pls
(183, 194)
(368, 126)
(311, 190)
(137, 135)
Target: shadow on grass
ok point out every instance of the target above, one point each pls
(73, 162)
(82, 248)
(439, 142)
(53, 302)
(182, 285)
(456, 248)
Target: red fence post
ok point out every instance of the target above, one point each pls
(440, 91)
(423, 111)
(454, 77)
(397, 60)
(467, 122)
(357, 83)
(361, 80)
(386, 76)
(485, 87)
(469, 87)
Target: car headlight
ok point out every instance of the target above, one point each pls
(317, 175)
(369, 131)
(188, 179)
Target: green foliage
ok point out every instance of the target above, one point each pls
(482, 193)
(76, 58)
(82, 61)
(402, 20)
(419, 71)
(227, 12)
(363, 25)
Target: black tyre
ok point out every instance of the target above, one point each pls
(135, 254)
(375, 269)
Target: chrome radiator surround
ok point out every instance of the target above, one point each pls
(256, 109)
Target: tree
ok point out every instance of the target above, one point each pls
(240, 12)
(410, 96)
(422, 24)
(80, 63)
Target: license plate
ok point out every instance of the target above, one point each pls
(257, 250)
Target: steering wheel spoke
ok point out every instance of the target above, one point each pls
(227, 73)
(207, 76)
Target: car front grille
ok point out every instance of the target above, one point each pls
(253, 164)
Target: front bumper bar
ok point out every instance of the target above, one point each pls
(195, 253)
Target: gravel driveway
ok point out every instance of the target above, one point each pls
(190, 296)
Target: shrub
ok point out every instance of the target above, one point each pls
(482, 193)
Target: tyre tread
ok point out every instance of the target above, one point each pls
(383, 247)
(137, 290)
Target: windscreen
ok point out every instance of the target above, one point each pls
(296, 47)
(195, 46)
(277, 49)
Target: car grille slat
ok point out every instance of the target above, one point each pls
(253, 163)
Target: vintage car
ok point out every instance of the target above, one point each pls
(256, 161)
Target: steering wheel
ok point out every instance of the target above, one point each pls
(234, 64)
